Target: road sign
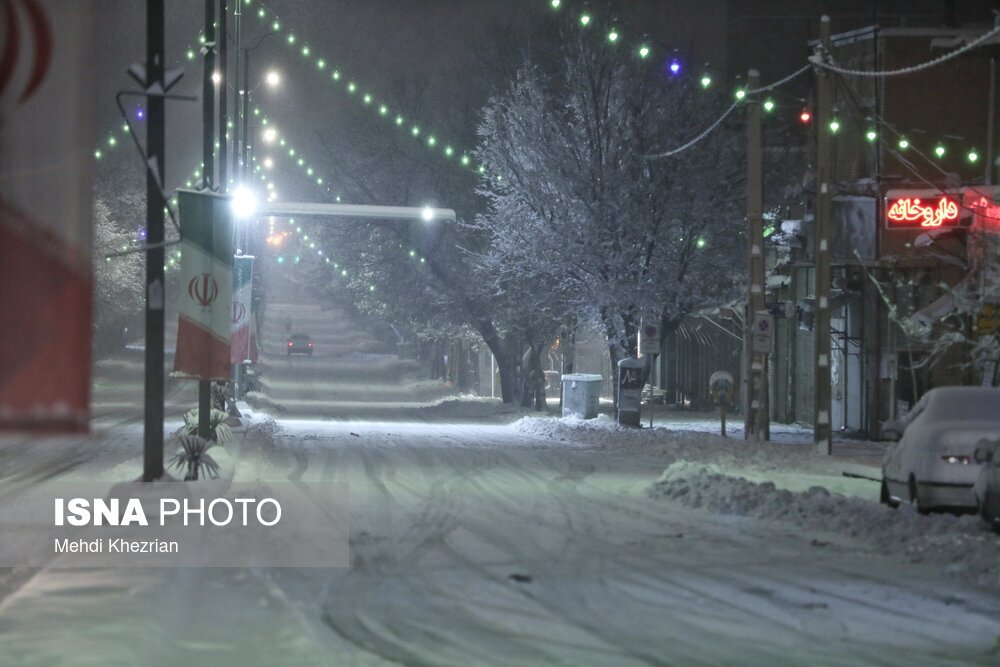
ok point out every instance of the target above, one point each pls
(988, 320)
(649, 339)
(762, 336)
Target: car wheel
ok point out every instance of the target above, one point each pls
(885, 498)
(915, 498)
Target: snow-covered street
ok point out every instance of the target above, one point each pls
(485, 537)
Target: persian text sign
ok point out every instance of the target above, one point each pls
(921, 212)
(206, 286)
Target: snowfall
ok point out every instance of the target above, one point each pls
(484, 535)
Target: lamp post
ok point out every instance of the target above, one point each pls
(271, 79)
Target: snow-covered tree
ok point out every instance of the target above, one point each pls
(579, 213)
(118, 280)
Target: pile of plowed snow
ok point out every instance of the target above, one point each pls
(964, 545)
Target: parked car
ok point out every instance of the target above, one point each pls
(300, 343)
(932, 463)
(987, 486)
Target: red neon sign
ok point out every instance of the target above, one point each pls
(987, 214)
(916, 212)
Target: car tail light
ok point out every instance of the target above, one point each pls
(961, 460)
(289, 343)
(310, 344)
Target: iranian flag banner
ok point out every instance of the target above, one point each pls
(47, 144)
(241, 315)
(206, 286)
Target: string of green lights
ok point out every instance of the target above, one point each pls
(645, 49)
(642, 48)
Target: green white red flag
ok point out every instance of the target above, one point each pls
(206, 286)
(240, 314)
(47, 100)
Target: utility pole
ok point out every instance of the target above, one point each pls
(822, 435)
(223, 116)
(155, 140)
(245, 154)
(757, 418)
(207, 170)
(238, 115)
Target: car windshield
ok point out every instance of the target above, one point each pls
(967, 405)
(300, 338)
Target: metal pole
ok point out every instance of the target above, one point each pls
(207, 170)
(238, 14)
(237, 119)
(153, 390)
(244, 157)
(757, 417)
(822, 436)
(223, 116)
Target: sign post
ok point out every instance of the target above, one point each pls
(649, 346)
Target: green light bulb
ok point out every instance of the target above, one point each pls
(336, 75)
(644, 51)
(939, 150)
(555, 4)
(871, 135)
(383, 110)
(769, 106)
(706, 81)
(834, 126)
(98, 154)
(740, 94)
(585, 20)
(321, 63)
(448, 151)
(904, 144)
(291, 38)
(415, 131)
(351, 87)
(613, 36)
(305, 50)
(431, 140)
(465, 160)
(368, 98)
(276, 26)
(973, 156)
(399, 120)
(190, 54)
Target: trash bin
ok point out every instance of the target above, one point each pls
(630, 382)
(581, 393)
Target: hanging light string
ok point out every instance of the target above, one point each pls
(896, 151)
(742, 95)
(433, 141)
(821, 58)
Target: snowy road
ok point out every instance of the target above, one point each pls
(479, 542)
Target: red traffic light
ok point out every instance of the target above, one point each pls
(805, 116)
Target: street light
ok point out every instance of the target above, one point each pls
(272, 79)
(244, 203)
(270, 134)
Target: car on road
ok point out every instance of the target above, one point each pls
(932, 461)
(300, 343)
(987, 486)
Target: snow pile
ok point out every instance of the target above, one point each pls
(466, 407)
(965, 545)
